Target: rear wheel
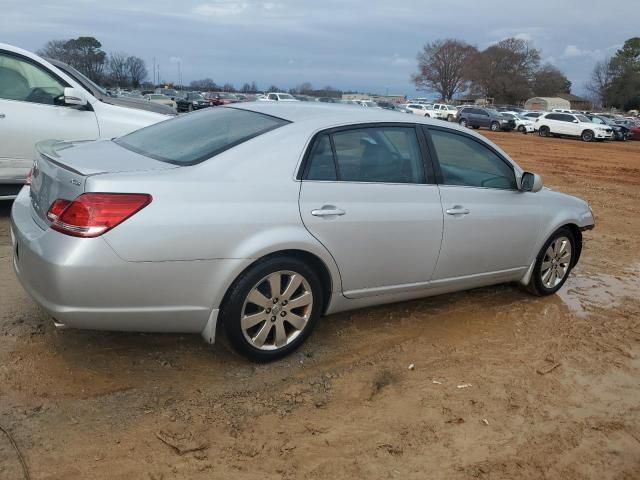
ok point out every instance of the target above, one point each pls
(427, 115)
(587, 136)
(495, 126)
(272, 308)
(553, 263)
(544, 131)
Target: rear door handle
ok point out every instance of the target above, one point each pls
(2, 115)
(327, 211)
(457, 210)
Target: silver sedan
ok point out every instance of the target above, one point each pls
(266, 216)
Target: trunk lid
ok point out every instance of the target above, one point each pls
(62, 169)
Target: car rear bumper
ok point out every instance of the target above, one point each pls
(83, 283)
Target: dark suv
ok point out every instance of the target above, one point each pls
(476, 117)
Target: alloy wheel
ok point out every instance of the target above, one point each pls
(556, 262)
(276, 310)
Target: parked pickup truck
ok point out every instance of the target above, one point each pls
(444, 112)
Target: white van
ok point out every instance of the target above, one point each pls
(38, 101)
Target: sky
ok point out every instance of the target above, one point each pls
(363, 45)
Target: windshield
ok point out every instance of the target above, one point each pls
(191, 139)
(508, 115)
(522, 117)
(582, 118)
(81, 79)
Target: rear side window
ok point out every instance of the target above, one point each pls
(373, 154)
(191, 139)
(464, 161)
(322, 165)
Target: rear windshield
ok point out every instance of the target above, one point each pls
(193, 138)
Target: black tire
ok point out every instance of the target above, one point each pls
(587, 136)
(463, 122)
(544, 131)
(475, 127)
(190, 108)
(495, 127)
(521, 128)
(536, 285)
(427, 115)
(234, 302)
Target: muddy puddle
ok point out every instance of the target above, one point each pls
(585, 292)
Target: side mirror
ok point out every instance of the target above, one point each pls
(530, 182)
(74, 96)
(575, 121)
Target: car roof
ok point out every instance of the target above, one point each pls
(325, 115)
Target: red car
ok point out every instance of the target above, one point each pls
(221, 98)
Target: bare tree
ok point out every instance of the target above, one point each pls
(204, 84)
(227, 87)
(137, 70)
(441, 67)
(55, 49)
(504, 71)
(118, 70)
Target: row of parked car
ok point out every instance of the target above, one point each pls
(557, 123)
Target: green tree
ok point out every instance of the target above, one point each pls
(549, 81)
(624, 70)
(85, 54)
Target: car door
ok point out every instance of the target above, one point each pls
(31, 111)
(369, 197)
(490, 227)
(483, 119)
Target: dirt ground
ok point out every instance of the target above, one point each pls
(551, 385)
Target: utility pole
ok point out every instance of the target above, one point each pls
(154, 72)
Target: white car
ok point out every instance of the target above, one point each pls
(39, 101)
(422, 109)
(162, 99)
(571, 125)
(278, 97)
(523, 124)
(444, 112)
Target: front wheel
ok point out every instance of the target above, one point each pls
(272, 308)
(427, 115)
(587, 136)
(553, 263)
(495, 126)
(463, 122)
(521, 128)
(544, 131)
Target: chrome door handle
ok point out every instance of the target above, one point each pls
(457, 210)
(2, 115)
(327, 211)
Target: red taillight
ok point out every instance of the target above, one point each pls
(56, 208)
(29, 177)
(92, 214)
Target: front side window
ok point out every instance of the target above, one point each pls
(26, 82)
(372, 154)
(465, 161)
(190, 139)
